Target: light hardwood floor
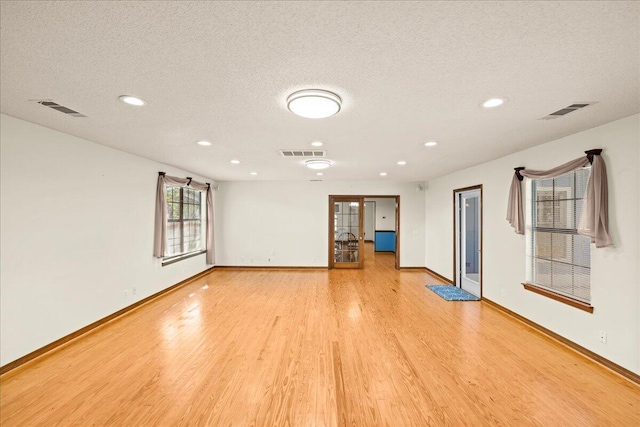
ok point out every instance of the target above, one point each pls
(314, 348)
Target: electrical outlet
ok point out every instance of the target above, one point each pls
(125, 293)
(269, 259)
(603, 337)
(133, 290)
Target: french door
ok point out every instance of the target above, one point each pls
(469, 240)
(346, 232)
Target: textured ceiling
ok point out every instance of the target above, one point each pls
(408, 72)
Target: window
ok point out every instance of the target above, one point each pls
(559, 258)
(184, 221)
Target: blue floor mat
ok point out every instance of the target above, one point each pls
(452, 293)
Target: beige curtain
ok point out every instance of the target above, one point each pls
(162, 214)
(206, 188)
(594, 218)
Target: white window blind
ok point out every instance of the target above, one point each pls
(559, 258)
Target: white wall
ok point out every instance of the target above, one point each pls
(369, 220)
(615, 277)
(286, 223)
(77, 230)
(385, 214)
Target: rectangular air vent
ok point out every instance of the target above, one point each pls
(61, 108)
(566, 110)
(303, 153)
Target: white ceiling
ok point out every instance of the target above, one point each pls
(408, 72)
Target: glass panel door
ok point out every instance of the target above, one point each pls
(469, 230)
(346, 234)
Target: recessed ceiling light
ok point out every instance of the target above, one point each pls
(314, 103)
(235, 162)
(319, 173)
(317, 164)
(493, 102)
(131, 100)
(203, 143)
(317, 143)
(430, 144)
(402, 163)
(254, 173)
(383, 174)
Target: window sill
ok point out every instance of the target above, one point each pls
(173, 259)
(560, 298)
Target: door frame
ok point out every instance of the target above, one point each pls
(456, 276)
(362, 197)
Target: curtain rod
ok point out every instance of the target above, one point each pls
(189, 178)
(589, 153)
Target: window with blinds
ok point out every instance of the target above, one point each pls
(559, 258)
(184, 222)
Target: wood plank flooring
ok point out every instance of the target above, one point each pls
(315, 348)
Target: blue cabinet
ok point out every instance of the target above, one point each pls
(385, 241)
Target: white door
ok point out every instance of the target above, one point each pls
(468, 241)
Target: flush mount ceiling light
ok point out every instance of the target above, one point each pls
(493, 102)
(317, 163)
(235, 162)
(314, 103)
(317, 143)
(430, 144)
(132, 100)
(402, 163)
(203, 143)
(254, 173)
(383, 174)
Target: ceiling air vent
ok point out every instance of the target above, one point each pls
(566, 110)
(303, 153)
(61, 108)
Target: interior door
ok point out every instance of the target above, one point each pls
(469, 239)
(346, 236)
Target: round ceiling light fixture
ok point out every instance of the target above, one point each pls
(235, 162)
(314, 103)
(317, 164)
(402, 163)
(430, 144)
(203, 143)
(317, 143)
(132, 100)
(493, 102)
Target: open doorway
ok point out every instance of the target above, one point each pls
(468, 239)
(378, 226)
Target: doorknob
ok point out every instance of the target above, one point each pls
(360, 237)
